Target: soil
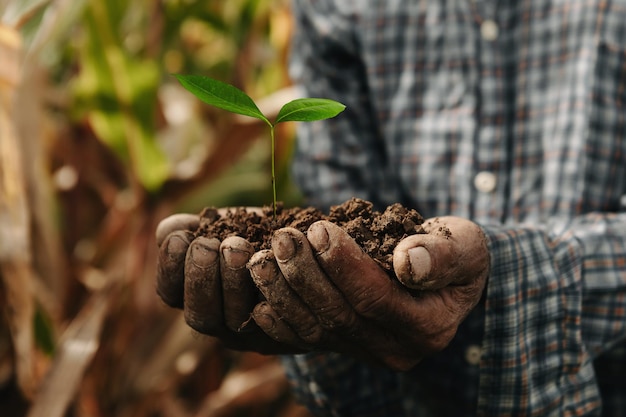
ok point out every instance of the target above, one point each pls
(377, 233)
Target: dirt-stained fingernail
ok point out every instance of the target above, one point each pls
(421, 262)
(203, 254)
(235, 259)
(236, 251)
(263, 274)
(262, 268)
(283, 245)
(318, 236)
(176, 244)
(265, 321)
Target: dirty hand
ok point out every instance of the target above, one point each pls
(324, 293)
(209, 281)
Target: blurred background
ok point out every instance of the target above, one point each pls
(98, 143)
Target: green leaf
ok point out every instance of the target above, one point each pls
(308, 110)
(221, 95)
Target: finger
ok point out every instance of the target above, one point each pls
(239, 295)
(170, 276)
(275, 327)
(407, 327)
(203, 292)
(282, 298)
(357, 276)
(279, 330)
(300, 269)
(251, 337)
(176, 222)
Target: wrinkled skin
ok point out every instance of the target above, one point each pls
(320, 291)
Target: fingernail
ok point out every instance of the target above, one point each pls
(235, 259)
(283, 246)
(318, 236)
(421, 262)
(261, 275)
(265, 321)
(176, 245)
(261, 267)
(202, 255)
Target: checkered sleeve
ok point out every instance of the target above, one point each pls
(556, 301)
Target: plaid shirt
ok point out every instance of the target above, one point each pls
(512, 114)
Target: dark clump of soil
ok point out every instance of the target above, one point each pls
(377, 233)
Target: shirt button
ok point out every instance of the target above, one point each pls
(485, 181)
(489, 30)
(473, 354)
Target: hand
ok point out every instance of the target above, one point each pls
(209, 281)
(324, 293)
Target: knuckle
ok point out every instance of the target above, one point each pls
(311, 334)
(372, 302)
(337, 317)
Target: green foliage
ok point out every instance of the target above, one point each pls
(114, 145)
(119, 92)
(124, 50)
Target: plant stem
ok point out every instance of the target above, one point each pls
(273, 157)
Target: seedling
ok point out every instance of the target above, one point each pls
(230, 98)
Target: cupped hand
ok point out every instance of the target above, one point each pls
(324, 293)
(209, 281)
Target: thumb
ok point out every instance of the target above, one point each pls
(424, 262)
